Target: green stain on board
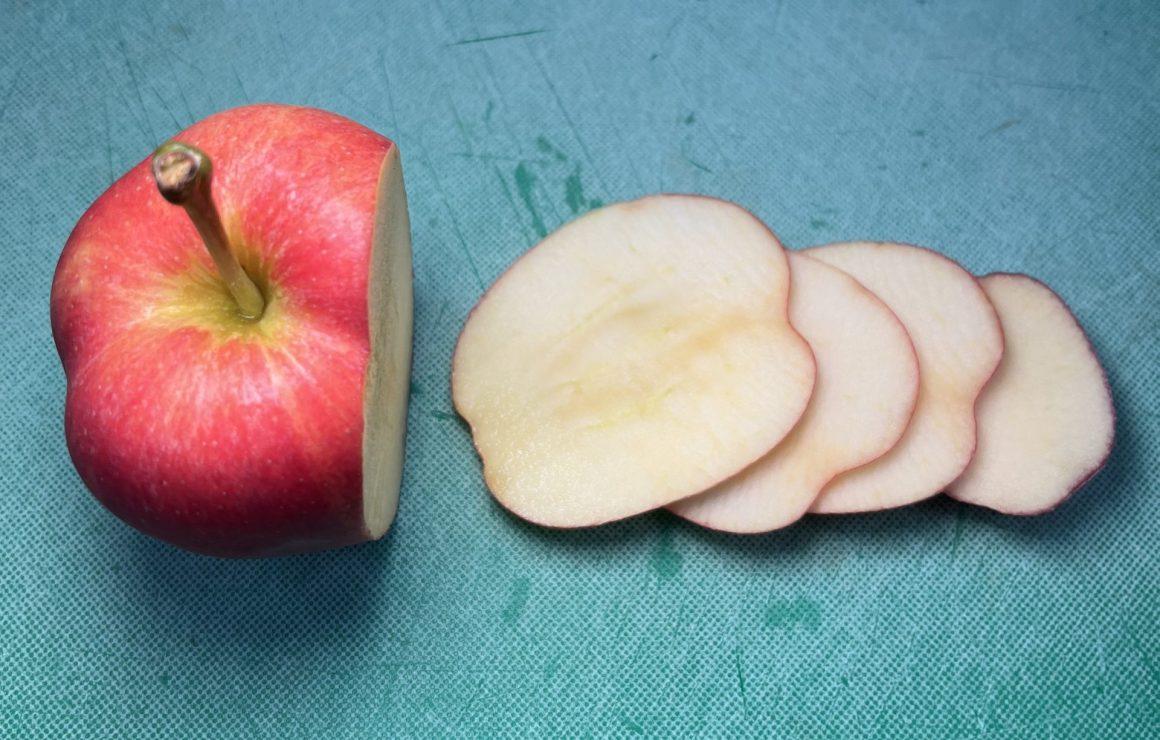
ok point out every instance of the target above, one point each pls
(517, 600)
(690, 119)
(488, 111)
(547, 147)
(552, 668)
(525, 185)
(441, 415)
(416, 391)
(666, 561)
(633, 727)
(574, 194)
(919, 132)
(789, 614)
(819, 223)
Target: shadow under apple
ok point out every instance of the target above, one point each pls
(256, 614)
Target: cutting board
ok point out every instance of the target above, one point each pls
(1015, 136)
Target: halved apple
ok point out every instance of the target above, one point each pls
(866, 389)
(637, 356)
(959, 343)
(1046, 419)
(237, 383)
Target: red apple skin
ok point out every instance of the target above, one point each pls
(220, 436)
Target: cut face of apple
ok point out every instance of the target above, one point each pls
(867, 384)
(1046, 419)
(959, 343)
(636, 356)
(231, 435)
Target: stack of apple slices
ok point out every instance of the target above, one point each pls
(668, 352)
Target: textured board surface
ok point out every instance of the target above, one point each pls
(1016, 136)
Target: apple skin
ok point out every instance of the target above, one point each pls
(210, 432)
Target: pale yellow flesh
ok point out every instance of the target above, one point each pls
(958, 341)
(867, 384)
(638, 355)
(389, 369)
(1046, 418)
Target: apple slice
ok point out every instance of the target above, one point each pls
(957, 338)
(1046, 419)
(866, 390)
(637, 356)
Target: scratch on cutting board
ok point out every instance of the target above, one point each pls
(455, 226)
(482, 157)
(124, 49)
(740, 680)
(471, 701)
(1147, 663)
(1019, 82)
(1002, 127)
(696, 164)
(499, 37)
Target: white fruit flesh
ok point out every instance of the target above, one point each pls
(1046, 418)
(958, 341)
(638, 355)
(389, 368)
(866, 388)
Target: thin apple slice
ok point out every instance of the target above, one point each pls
(865, 393)
(388, 377)
(957, 338)
(637, 356)
(1046, 419)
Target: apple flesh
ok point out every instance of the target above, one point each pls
(867, 385)
(638, 355)
(227, 435)
(959, 343)
(1046, 420)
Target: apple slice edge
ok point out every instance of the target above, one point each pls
(978, 484)
(944, 408)
(779, 489)
(390, 303)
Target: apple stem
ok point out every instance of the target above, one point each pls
(182, 173)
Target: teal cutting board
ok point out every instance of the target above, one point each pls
(1016, 136)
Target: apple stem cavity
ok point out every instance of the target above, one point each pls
(183, 173)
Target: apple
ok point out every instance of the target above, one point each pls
(638, 355)
(238, 360)
(959, 343)
(1046, 420)
(866, 390)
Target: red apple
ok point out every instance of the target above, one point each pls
(227, 434)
